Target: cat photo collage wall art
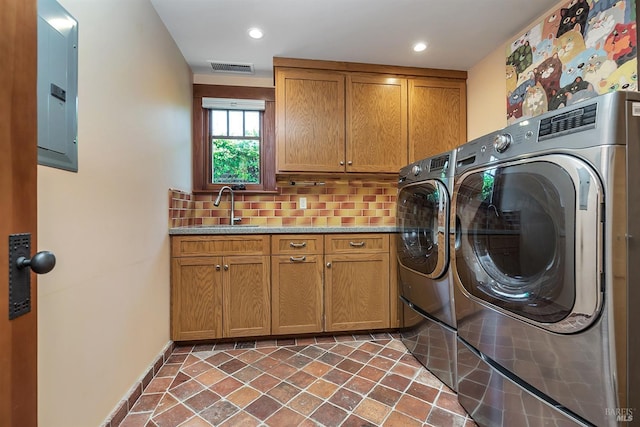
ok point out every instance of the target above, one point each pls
(583, 49)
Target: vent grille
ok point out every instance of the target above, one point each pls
(229, 67)
(438, 163)
(572, 121)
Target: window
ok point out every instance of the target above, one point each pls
(233, 138)
(235, 146)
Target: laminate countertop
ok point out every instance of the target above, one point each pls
(249, 229)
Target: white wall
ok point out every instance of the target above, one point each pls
(486, 95)
(103, 312)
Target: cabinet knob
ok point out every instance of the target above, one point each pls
(349, 162)
(217, 267)
(341, 163)
(328, 265)
(226, 267)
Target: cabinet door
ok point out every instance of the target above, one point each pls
(309, 121)
(437, 116)
(376, 124)
(297, 294)
(247, 298)
(395, 305)
(357, 291)
(196, 298)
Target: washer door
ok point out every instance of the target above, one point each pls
(528, 239)
(423, 223)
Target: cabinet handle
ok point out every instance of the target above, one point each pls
(217, 267)
(356, 244)
(341, 163)
(298, 245)
(298, 259)
(349, 162)
(226, 267)
(328, 265)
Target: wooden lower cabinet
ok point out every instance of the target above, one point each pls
(357, 282)
(246, 296)
(229, 286)
(196, 298)
(395, 305)
(297, 294)
(296, 283)
(216, 297)
(357, 292)
(220, 287)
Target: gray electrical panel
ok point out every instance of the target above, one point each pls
(57, 86)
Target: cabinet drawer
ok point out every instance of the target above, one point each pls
(297, 244)
(219, 245)
(361, 243)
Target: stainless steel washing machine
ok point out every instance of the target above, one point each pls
(546, 252)
(423, 212)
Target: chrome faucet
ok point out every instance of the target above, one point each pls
(232, 212)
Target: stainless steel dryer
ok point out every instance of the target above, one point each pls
(423, 212)
(546, 253)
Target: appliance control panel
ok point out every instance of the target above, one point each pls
(501, 142)
(431, 167)
(581, 125)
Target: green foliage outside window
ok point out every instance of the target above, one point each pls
(488, 179)
(236, 161)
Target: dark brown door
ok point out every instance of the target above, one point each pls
(18, 186)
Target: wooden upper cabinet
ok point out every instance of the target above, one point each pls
(376, 124)
(437, 116)
(310, 116)
(335, 122)
(364, 118)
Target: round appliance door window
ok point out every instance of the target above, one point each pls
(515, 244)
(422, 219)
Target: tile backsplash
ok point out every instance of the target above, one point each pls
(334, 203)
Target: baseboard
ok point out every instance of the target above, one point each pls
(124, 406)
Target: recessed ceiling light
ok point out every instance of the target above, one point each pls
(255, 33)
(419, 47)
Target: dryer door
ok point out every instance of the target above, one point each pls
(529, 239)
(423, 223)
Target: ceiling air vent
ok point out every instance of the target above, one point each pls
(229, 67)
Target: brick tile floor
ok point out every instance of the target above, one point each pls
(348, 380)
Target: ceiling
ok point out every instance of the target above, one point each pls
(459, 33)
